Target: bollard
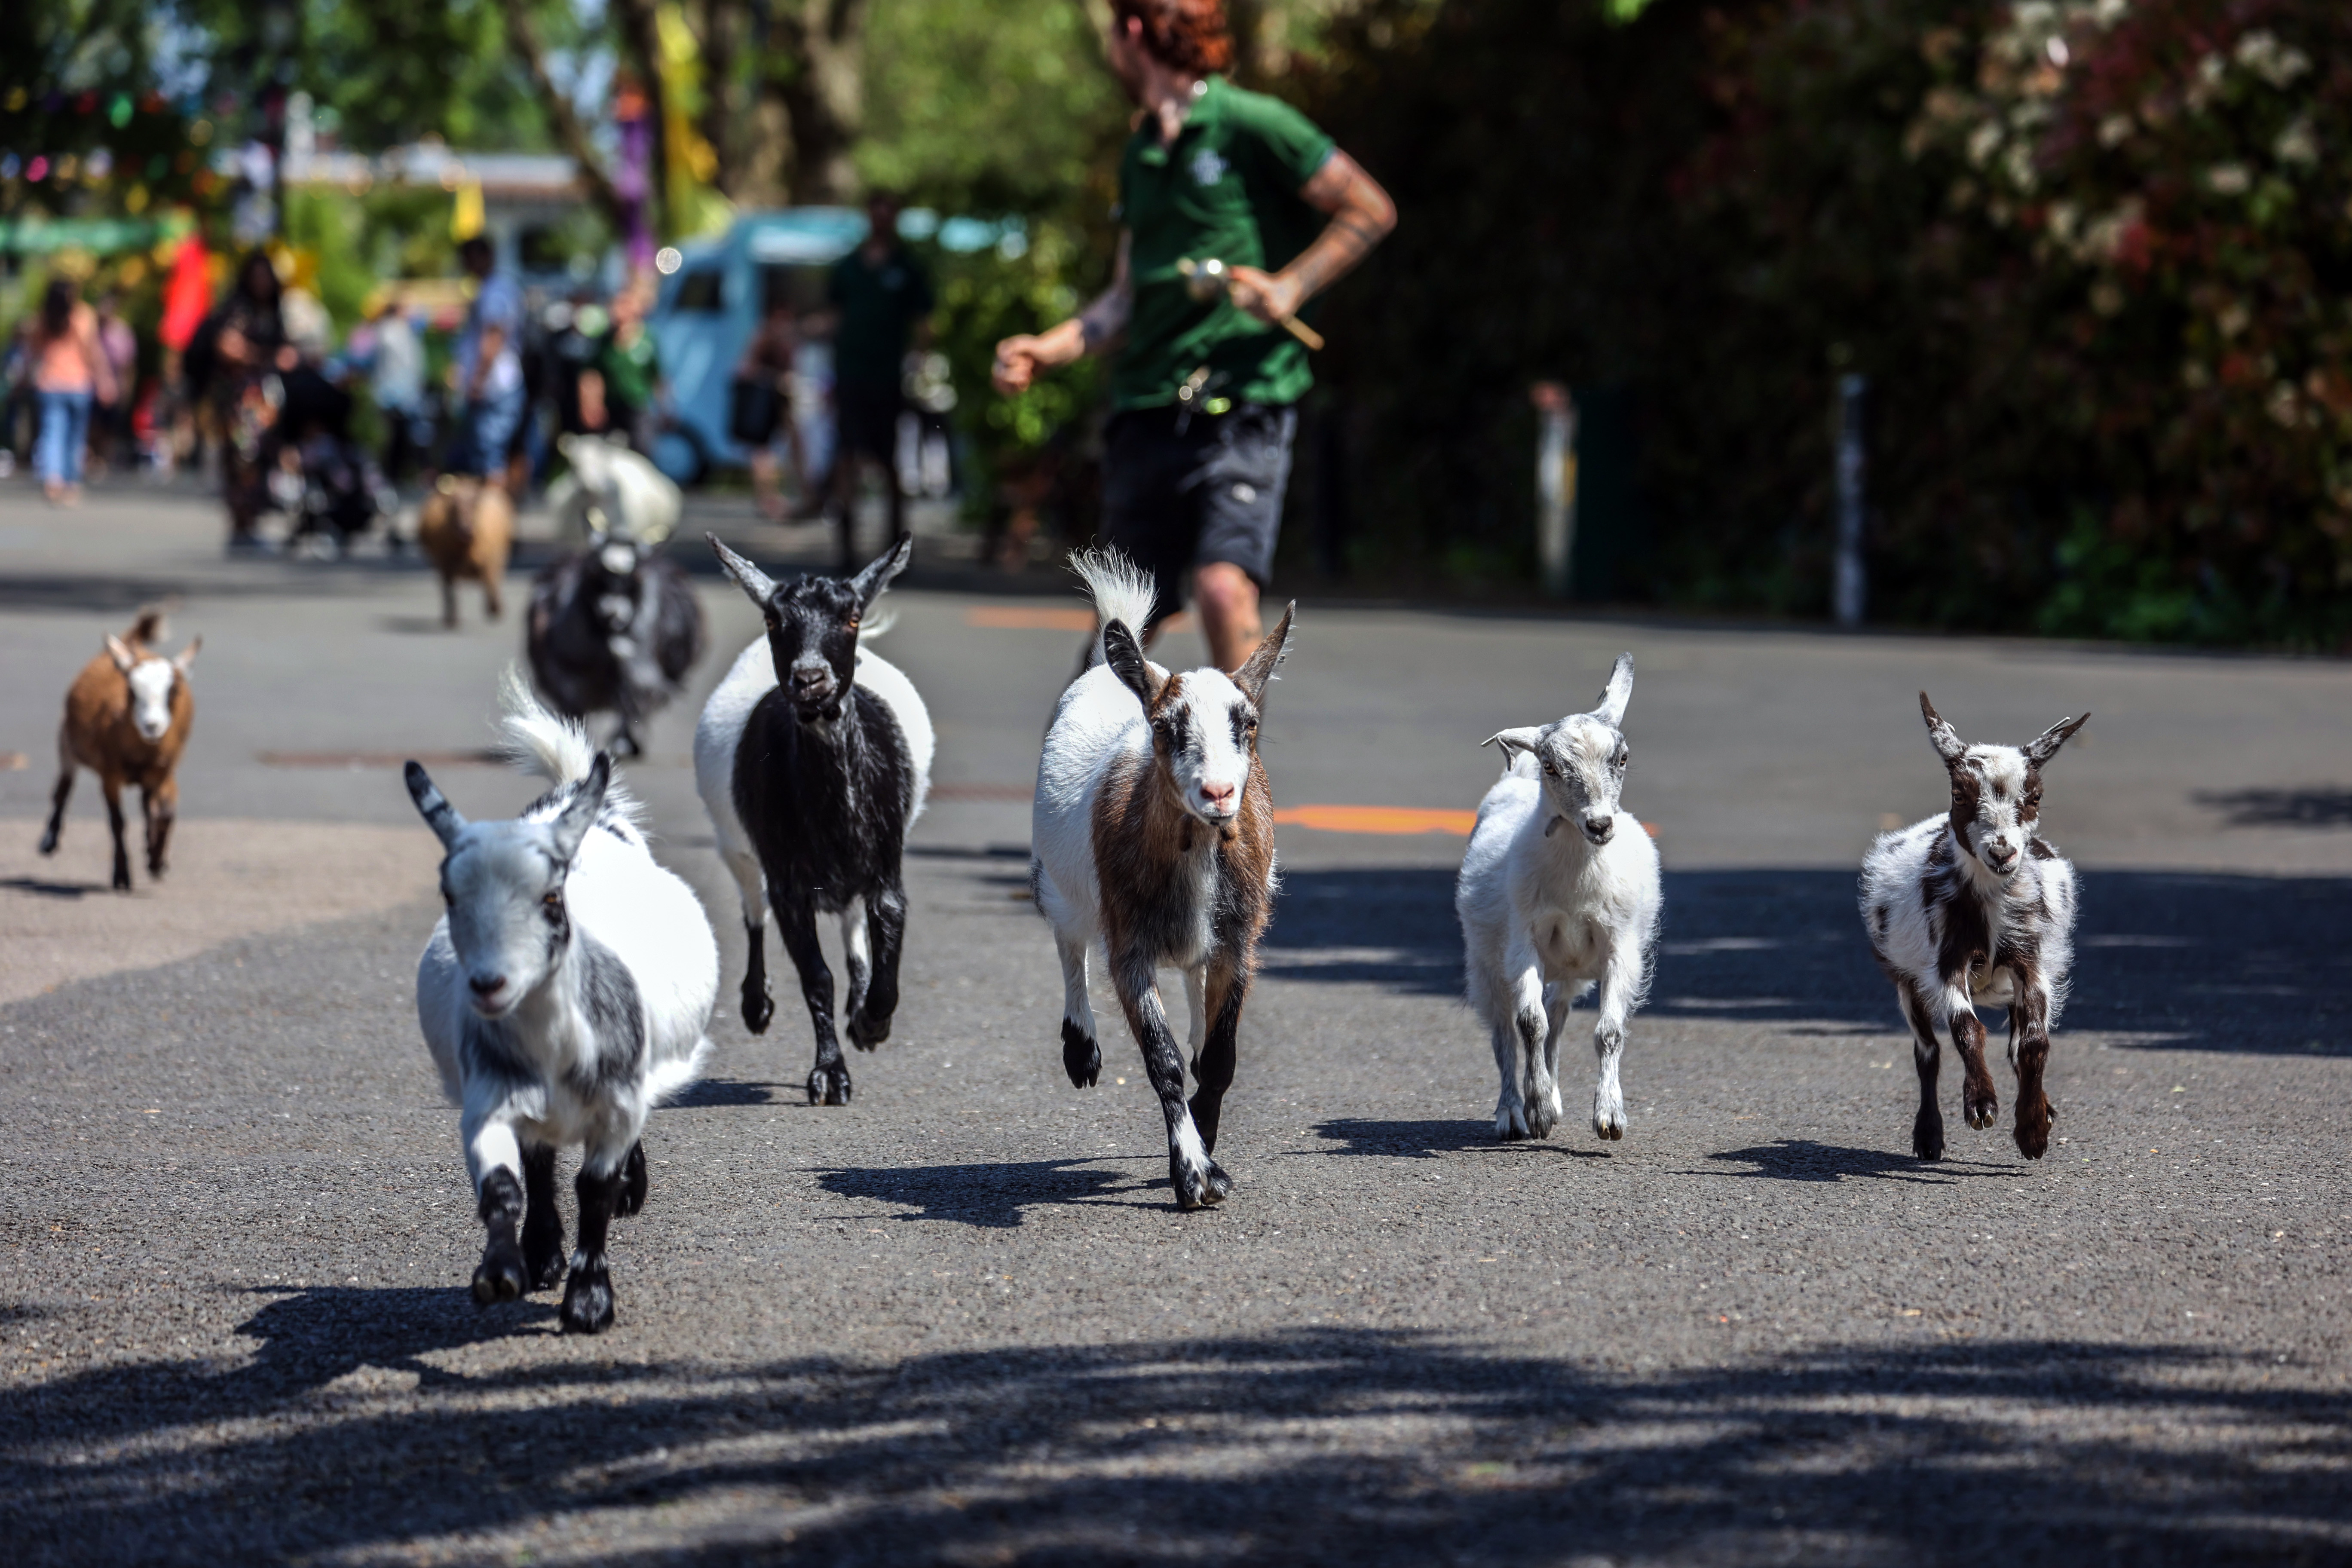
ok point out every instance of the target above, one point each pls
(1555, 484)
(1847, 589)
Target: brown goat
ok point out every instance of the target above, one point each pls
(127, 714)
(466, 527)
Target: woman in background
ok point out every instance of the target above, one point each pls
(69, 370)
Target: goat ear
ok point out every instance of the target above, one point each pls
(187, 656)
(1942, 736)
(878, 573)
(439, 814)
(1514, 742)
(1254, 676)
(757, 585)
(119, 651)
(2044, 746)
(573, 823)
(1125, 657)
(1617, 693)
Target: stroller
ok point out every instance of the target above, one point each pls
(321, 479)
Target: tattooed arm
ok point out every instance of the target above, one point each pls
(1091, 332)
(1361, 216)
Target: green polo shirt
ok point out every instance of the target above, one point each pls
(1227, 187)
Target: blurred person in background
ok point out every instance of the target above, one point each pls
(763, 411)
(1197, 455)
(15, 392)
(69, 372)
(392, 352)
(242, 342)
(488, 374)
(629, 362)
(880, 298)
(111, 421)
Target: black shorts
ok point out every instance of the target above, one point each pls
(1174, 500)
(866, 418)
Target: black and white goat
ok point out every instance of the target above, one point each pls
(612, 628)
(1153, 831)
(813, 758)
(567, 991)
(1974, 907)
(1558, 890)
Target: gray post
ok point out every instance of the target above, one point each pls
(1555, 485)
(1852, 503)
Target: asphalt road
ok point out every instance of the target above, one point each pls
(961, 1321)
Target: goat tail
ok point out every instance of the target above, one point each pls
(1121, 591)
(876, 623)
(537, 740)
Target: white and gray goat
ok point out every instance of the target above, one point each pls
(1558, 890)
(814, 757)
(1153, 832)
(1974, 907)
(565, 993)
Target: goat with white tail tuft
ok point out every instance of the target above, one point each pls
(1153, 830)
(1558, 890)
(1975, 907)
(566, 993)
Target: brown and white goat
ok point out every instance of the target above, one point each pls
(1153, 832)
(466, 527)
(128, 715)
(1976, 908)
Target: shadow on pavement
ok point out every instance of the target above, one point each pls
(1319, 1445)
(993, 1196)
(2196, 961)
(2324, 807)
(1803, 1160)
(1427, 1140)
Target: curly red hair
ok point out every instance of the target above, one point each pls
(1188, 36)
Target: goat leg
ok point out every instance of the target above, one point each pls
(588, 1293)
(2032, 1047)
(543, 1222)
(885, 924)
(1926, 1054)
(828, 1081)
(1196, 1178)
(758, 1005)
(57, 798)
(114, 823)
(1979, 1100)
(1081, 1054)
(500, 1276)
(632, 1182)
(161, 806)
(1228, 987)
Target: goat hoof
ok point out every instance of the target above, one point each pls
(1200, 1188)
(49, 842)
(1928, 1138)
(829, 1086)
(632, 1183)
(1081, 1057)
(1540, 1118)
(867, 1033)
(2033, 1134)
(588, 1301)
(499, 1278)
(758, 1008)
(1981, 1113)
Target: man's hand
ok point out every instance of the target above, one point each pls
(1266, 295)
(1016, 364)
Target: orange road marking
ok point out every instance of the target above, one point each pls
(1388, 819)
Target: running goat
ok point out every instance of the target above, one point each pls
(128, 715)
(1558, 890)
(811, 784)
(1973, 907)
(564, 995)
(1154, 833)
(612, 628)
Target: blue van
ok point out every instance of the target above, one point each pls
(708, 310)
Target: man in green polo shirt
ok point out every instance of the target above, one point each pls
(1197, 454)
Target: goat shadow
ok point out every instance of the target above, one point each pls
(2177, 959)
(1428, 1139)
(991, 1196)
(48, 889)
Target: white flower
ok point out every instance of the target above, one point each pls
(1982, 142)
(2296, 144)
(2228, 179)
(2115, 129)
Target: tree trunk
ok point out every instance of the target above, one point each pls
(820, 89)
(570, 134)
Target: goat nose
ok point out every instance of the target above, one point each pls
(487, 984)
(1218, 795)
(1601, 826)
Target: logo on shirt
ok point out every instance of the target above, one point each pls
(1207, 167)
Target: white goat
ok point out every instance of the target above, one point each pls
(1545, 913)
(1973, 907)
(1153, 830)
(566, 993)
